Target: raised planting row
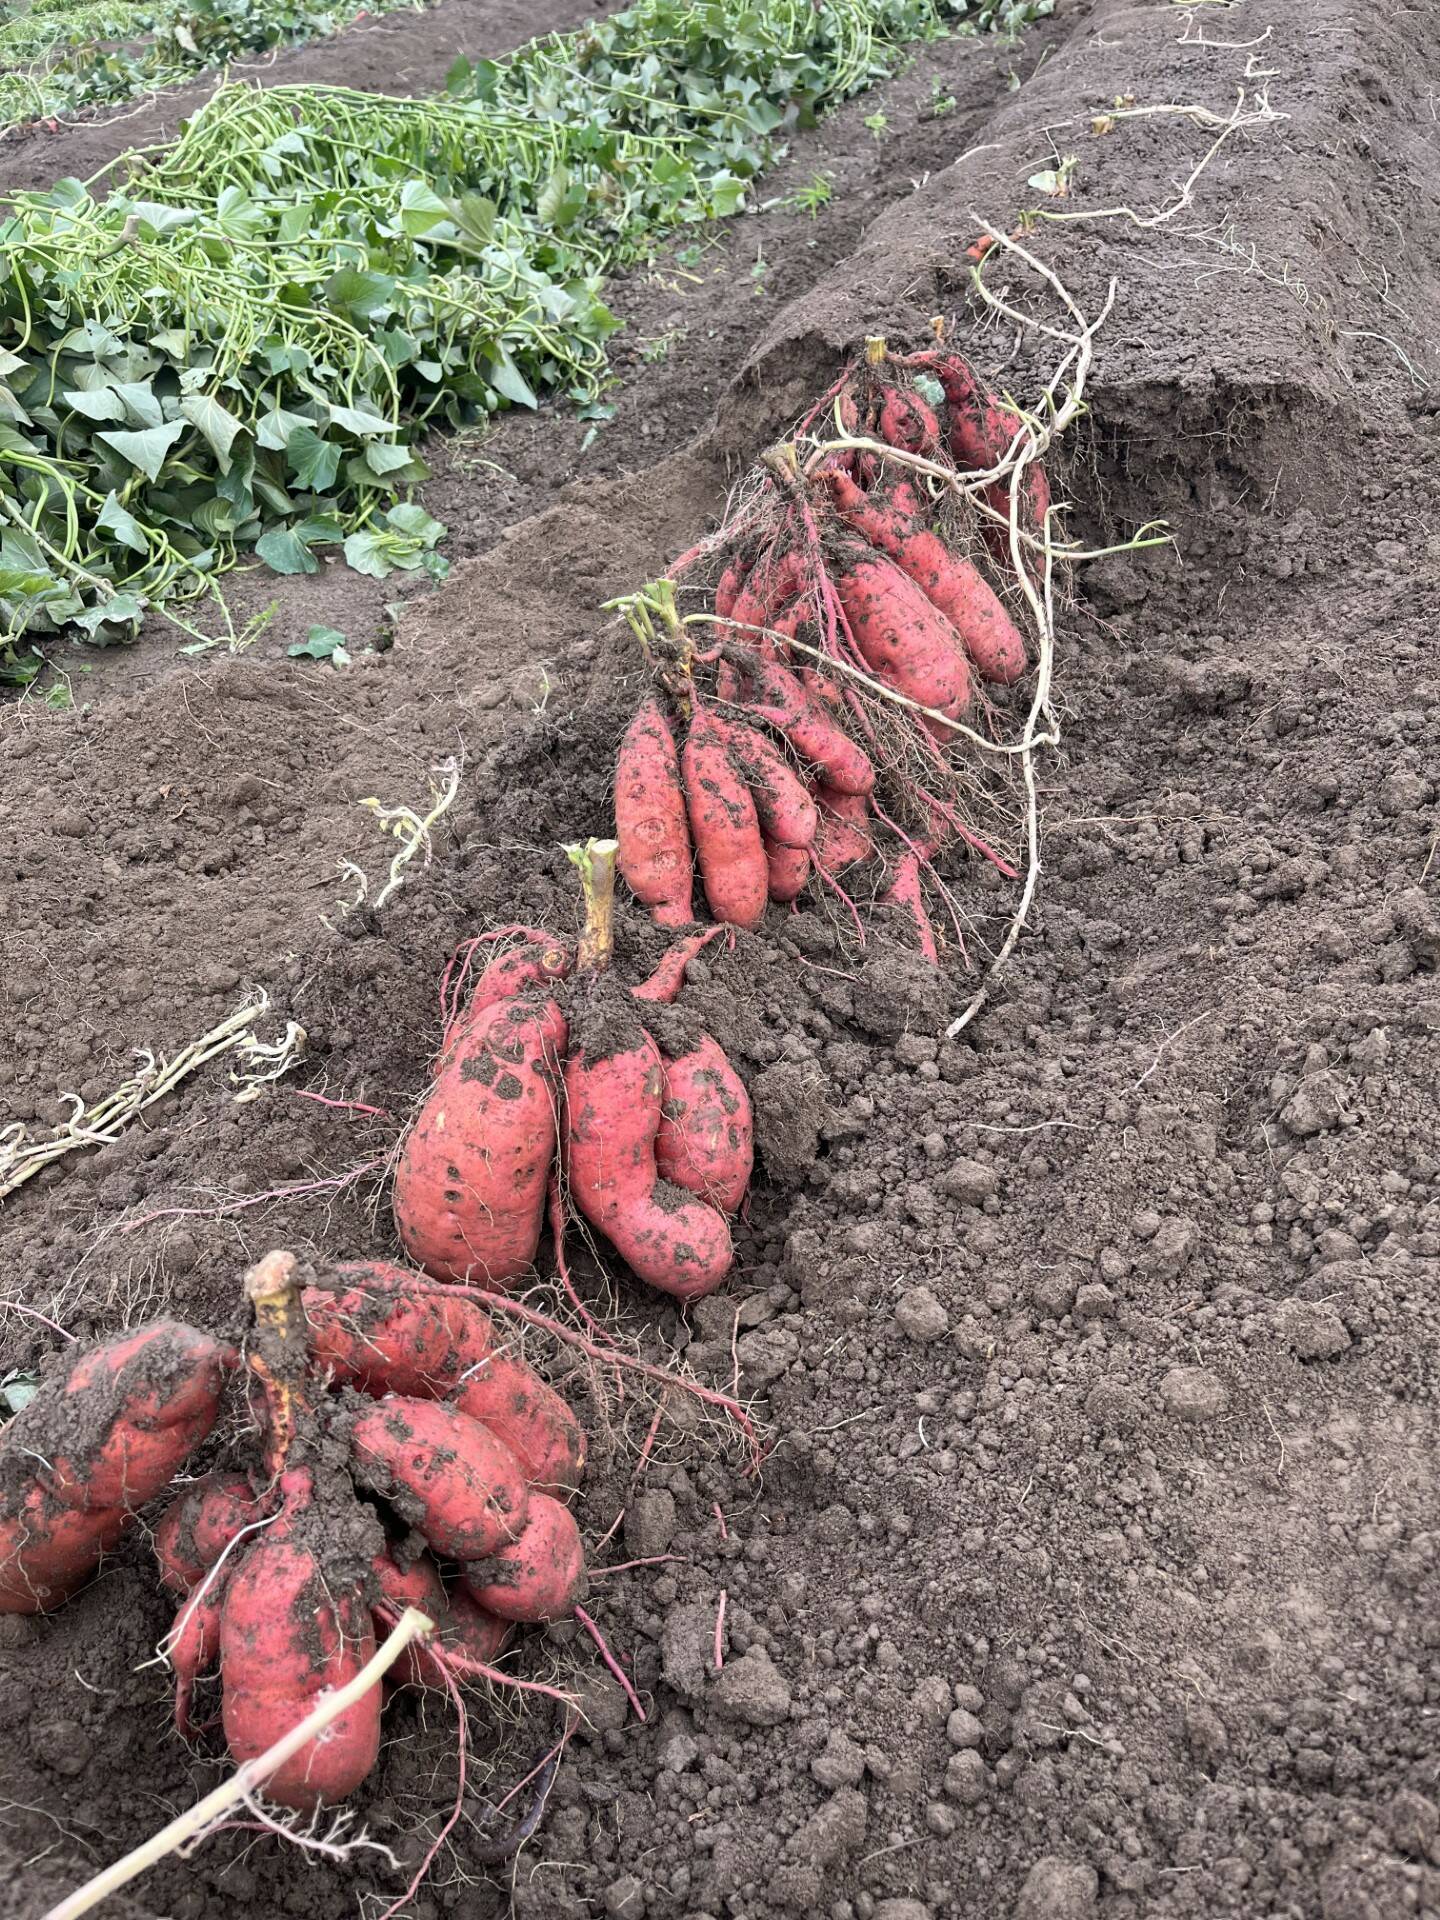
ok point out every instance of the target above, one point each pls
(234, 349)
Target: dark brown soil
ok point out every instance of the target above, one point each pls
(1094, 1567)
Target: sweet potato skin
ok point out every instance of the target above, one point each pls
(782, 700)
(386, 1334)
(469, 1193)
(844, 836)
(906, 640)
(48, 1550)
(198, 1525)
(538, 1577)
(787, 870)
(650, 818)
(286, 1638)
(537, 957)
(670, 1241)
(785, 810)
(460, 1484)
(953, 585)
(706, 1138)
(724, 826)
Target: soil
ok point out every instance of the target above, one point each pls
(1093, 1567)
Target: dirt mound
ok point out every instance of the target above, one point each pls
(1094, 1567)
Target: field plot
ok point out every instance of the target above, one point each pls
(1084, 1287)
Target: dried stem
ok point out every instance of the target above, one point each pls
(596, 861)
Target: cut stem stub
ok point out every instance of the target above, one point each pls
(279, 1355)
(596, 861)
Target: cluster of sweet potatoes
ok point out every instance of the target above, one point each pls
(550, 1082)
(409, 1459)
(844, 579)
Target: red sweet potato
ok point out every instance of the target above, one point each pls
(666, 981)
(536, 958)
(787, 869)
(779, 698)
(706, 1138)
(958, 589)
(198, 1525)
(460, 1486)
(670, 1241)
(466, 1635)
(981, 431)
(729, 584)
(724, 826)
(772, 585)
(385, 1335)
(156, 1392)
(287, 1635)
(905, 421)
(48, 1550)
(844, 836)
(470, 1186)
(193, 1647)
(650, 822)
(89, 1450)
(905, 640)
(538, 1577)
(785, 810)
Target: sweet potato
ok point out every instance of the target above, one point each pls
(154, 1396)
(904, 420)
(194, 1646)
(536, 958)
(529, 1417)
(778, 697)
(385, 1335)
(906, 894)
(981, 431)
(706, 1138)
(288, 1634)
(470, 1186)
(48, 1550)
(666, 981)
(729, 584)
(905, 640)
(458, 1485)
(844, 836)
(89, 1450)
(785, 810)
(198, 1525)
(650, 822)
(723, 825)
(680, 1245)
(958, 589)
(772, 584)
(538, 1577)
(787, 870)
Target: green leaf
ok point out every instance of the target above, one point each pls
(323, 643)
(508, 380)
(216, 423)
(412, 519)
(383, 456)
(552, 196)
(100, 403)
(126, 528)
(140, 402)
(148, 450)
(274, 429)
(18, 1389)
(421, 208)
(474, 215)
(313, 462)
(358, 295)
(283, 552)
(120, 610)
(366, 553)
(360, 420)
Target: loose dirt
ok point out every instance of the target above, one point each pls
(1093, 1570)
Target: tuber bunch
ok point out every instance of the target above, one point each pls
(838, 586)
(409, 1460)
(656, 1149)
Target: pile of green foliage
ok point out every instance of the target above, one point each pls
(236, 347)
(57, 56)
